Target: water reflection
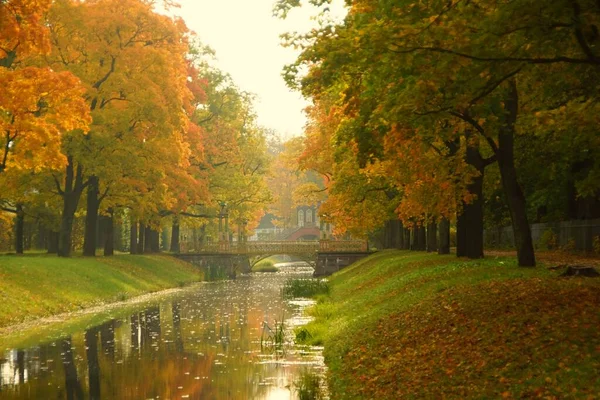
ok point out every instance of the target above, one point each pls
(201, 344)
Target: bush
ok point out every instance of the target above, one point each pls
(549, 240)
(569, 247)
(596, 244)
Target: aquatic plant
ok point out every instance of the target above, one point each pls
(308, 386)
(305, 287)
(273, 339)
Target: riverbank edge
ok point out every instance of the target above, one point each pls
(404, 324)
(33, 287)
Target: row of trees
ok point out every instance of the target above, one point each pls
(437, 111)
(111, 111)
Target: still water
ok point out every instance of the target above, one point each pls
(209, 341)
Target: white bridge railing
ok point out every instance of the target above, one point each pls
(281, 247)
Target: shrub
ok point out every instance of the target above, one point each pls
(549, 240)
(596, 244)
(569, 247)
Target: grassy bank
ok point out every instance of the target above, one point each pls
(34, 286)
(265, 266)
(412, 325)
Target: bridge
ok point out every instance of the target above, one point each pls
(325, 256)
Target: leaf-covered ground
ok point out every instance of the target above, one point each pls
(411, 325)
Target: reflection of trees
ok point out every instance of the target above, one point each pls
(21, 365)
(150, 367)
(135, 331)
(91, 342)
(72, 384)
(176, 311)
(151, 325)
(107, 334)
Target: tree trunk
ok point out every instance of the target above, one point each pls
(422, 238)
(406, 239)
(52, 242)
(42, 237)
(91, 217)
(147, 239)
(72, 193)
(175, 236)
(133, 229)
(470, 223)
(432, 237)
(444, 242)
(20, 229)
(141, 238)
(154, 241)
(461, 235)
(109, 234)
(514, 194)
(399, 229)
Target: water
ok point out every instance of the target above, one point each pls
(205, 342)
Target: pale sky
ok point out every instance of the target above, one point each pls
(245, 36)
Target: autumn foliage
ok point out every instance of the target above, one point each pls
(111, 114)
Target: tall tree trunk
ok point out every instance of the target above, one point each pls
(147, 239)
(91, 217)
(109, 233)
(406, 239)
(399, 229)
(422, 238)
(71, 194)
(175, 248)
(141, 238)
(470, 222)
(461, 235)
(432, 237)
(133, 232)
(514, 194)
(387, 235)
(42, 237)
(20, 229)
(53, 242)
(444, 242)
(155, 241)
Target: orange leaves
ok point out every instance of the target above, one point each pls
(39, 106)
(22, 31)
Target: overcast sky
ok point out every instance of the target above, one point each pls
(245, 36)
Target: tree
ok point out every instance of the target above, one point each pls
(38, 104)
(118, 49)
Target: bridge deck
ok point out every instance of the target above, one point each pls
(284, 247)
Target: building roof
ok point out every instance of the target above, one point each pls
(266, 222)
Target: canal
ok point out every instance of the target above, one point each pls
(215, 340)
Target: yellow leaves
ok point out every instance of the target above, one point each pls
(38, 107)
(22, 29)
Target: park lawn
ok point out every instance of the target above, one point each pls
(34, 286)
(414, 325)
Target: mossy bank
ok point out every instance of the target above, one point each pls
(415, 325)
(34, 286)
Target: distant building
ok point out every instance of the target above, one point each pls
(266, 229)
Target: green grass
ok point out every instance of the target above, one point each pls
(415, 325)
(34, 286)
(264, 266)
